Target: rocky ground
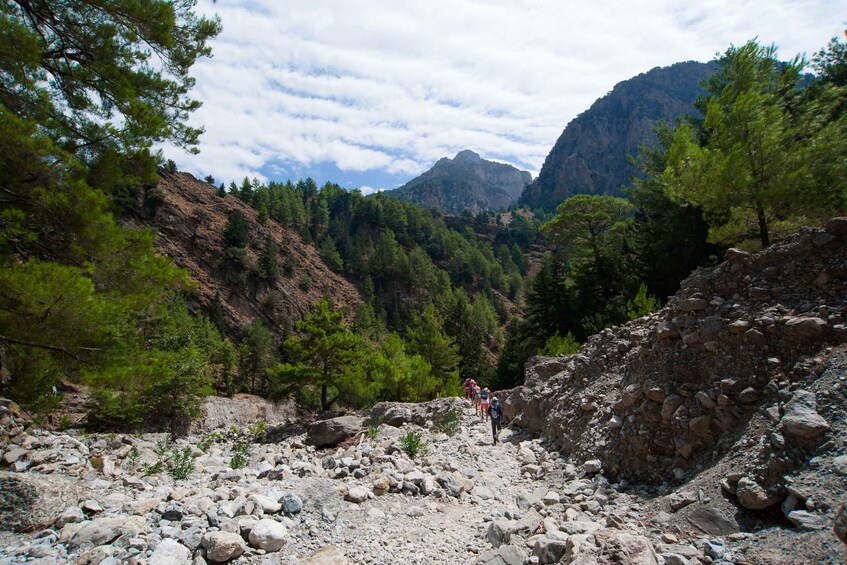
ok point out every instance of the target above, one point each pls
(94, 499)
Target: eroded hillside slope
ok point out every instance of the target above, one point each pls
(190, 222)
(738, 383)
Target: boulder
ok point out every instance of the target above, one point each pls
(836, 227)
(31, 502)
(712, 521)
(223, 546)
(268, 534)
(357, 494)
(327, 433)
(808, 520)
(805, 327)
(549, 550)
(504, 555)
(839, 526)
(801, 420)
(618, 546)
(170, 552)
(498, 532)
(752, 496)
(291, 503)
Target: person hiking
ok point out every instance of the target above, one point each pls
(495, 412)
(484, 402)
(476, 393)
(469, 388)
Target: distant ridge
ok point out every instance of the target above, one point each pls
(466, 182)
(590, 157)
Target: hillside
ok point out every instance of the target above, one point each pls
(590, 156)
(190, 222)
(735, 390)
(466, 182)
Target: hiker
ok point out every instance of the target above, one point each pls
(469, 388)
(484, 402)
(476, 393)
(495, 412)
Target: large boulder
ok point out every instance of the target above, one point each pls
(31, 502)
(223, 546)
(241, 410)
(268, 534)
(398, 413)
(801, 420)
(170, 552)
(328, 433)
(839, 527)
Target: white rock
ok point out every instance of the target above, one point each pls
(268, 534)
(169, 552)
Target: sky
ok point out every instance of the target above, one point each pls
(369, 94)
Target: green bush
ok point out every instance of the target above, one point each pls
(413, 444)
(182, 463)
(241, 452)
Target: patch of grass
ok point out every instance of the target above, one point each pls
(182, 463)
(372, 431)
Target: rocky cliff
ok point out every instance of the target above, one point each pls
(590, 157)
(466, 182)
(190, 221)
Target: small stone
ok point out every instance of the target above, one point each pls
(551, 498)
(291, 503)
(840, 465)
(592, 466)
(357, 495)
(681, 499)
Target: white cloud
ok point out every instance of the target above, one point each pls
(391, 87)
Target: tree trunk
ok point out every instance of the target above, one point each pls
(324, 404)
(763, 228)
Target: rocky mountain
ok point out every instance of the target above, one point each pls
(189, 222)
(735, 392)
(590, 157)
(465, 182)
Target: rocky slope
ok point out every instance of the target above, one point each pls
(590, 157)
(189, 223)
(466, 182)
(736, 390)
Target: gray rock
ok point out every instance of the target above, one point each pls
(223, 546)
(751, 495)
(839, 526)
(71, 515)
(451, 483)
(840, 465)
(711, 521)
(805, 327)
(498, 532)
(169, 552)
(327, 433)
(291, 503)
(801, 420)
(592, 466)
(808, 520)
(268, 534)
(504, 555)
(681, 499)
(549, 550)
(715, 548)
(674, 559)
(693, 304)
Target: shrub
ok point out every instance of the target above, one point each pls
(182, 463)
(241, 451)
(413, 444)
(372, 431)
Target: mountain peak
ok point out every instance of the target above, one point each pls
(466, 182)
(467, 155)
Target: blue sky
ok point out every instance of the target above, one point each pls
(370, 94)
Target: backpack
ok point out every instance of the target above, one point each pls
(484, 395)
(496, 412)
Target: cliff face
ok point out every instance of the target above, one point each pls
(590, 157)
(190, 222)
(466, 182)
(742, 371)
